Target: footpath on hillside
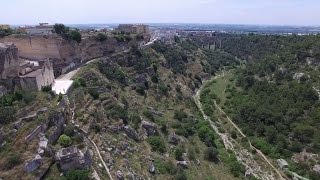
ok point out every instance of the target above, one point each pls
(262, 168)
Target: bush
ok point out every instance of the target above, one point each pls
(94, 94)
(234, 134)
(165, 167)
(157, 144)
(79, 82)
(101, 37)
(181, 175)
(69, 130)
(13, 160)
(180, 115)
(155, 79)
(178, 153)
(60, 29)
(77, 175)
(135, 120)
(64, 140)
(211, 154)
(46, 88)
(74, 35)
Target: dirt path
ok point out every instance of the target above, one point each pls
(83, 132)
(243, 155)
(251, 146)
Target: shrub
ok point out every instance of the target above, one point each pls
(69, 130)
(60, 29)
(157, 144)
(13, 160)
(211, 154)
(234, 134)
(77, 175)
(155, 79)
(101, 37)
(180, 115)
(74, 35)
(94, 94)
(165, 167)
(178, 153)
(79, 82)
(135, 119)
(64, 140)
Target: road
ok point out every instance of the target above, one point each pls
(62, 84)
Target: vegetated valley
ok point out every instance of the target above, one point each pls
(142, 110)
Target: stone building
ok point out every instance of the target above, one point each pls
(41, 29)
(21, 73)
(35, 76)
(72, 158)
(134, 28)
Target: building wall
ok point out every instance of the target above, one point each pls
(46, 78)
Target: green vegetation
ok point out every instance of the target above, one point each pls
(101, 37)
(5, 32)
(77, 175)
(157, 144)
(13, 160)
(64, 140)
(66, 33)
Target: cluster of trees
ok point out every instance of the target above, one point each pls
(5, 32)
(112, 72)
(67, 33)
(279, 113)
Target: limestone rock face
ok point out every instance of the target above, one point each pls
(173, 139)
(119, 175)
(33, 164)
(9, 60)
(150, 127)
(131, 133)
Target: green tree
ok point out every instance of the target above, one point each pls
(211, 154)
(74, 35)
(157, 144)
(64, 140)
(60, 29)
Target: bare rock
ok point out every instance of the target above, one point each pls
(119, 175)
(131, 133)
(174, 139)
(150, 127)
(316, 168)
(33, 164)
(183, 164)
(152, 168)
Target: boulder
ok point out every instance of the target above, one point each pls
(131, 133)
(282, 163)
(43, 144)
(182, 164)
(316, 168)
(152, 168)
(174, 139)
(119, 175)
(33, 164)
(150, 127)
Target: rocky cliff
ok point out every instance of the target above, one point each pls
(65, 53)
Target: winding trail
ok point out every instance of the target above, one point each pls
(84, 133)
(245, 157)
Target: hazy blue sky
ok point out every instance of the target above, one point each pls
(278, 12)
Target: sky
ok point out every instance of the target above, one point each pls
(263, 12)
